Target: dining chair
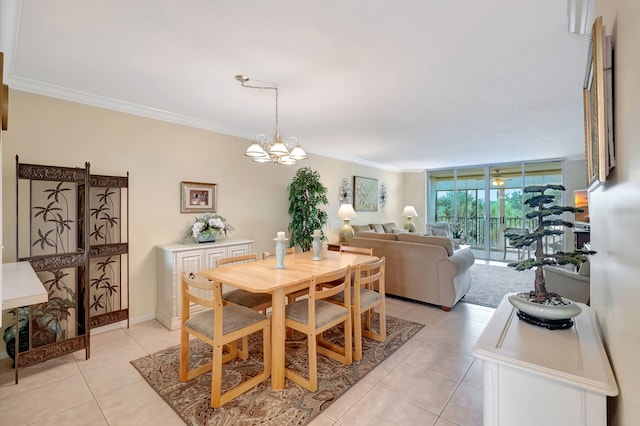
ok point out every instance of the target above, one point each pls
(272, 253)
(256, 301)
(291, 297)
(357, 250)
(315, 315)
(368, 292)
(221, 325)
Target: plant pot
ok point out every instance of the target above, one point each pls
(209, 238)
(550, 316)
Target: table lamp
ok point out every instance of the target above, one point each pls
(346, 213)
(409, 212)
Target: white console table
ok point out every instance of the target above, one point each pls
(535, 376)
(21, 287)
(174, 259)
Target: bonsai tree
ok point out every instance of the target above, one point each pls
(306, 194)
(544, 207)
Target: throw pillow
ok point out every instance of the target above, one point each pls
(439, 232)
(377, 227)
(585, 269)
(361, 228)
(389, 227)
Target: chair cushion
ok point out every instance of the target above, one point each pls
(246, 298)
(233, 318)
(367, 297)
(326, 312)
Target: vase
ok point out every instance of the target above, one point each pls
(281, 247)
(317, 248)
(208, 238)
(549, 316)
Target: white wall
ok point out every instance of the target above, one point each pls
(158, 156)
(615, 217)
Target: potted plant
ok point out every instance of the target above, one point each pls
(456, 235)
(206, 228)
(539, 306)
(306, 194)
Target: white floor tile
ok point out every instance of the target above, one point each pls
(432, 379)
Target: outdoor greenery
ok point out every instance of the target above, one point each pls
(548, 216)
(306, 194)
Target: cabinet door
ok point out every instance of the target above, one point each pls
(212, 254)
(238, 250)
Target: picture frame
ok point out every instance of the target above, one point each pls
(198, 197)
(598, 108)
(365, 194)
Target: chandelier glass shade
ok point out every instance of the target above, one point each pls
(277, 151)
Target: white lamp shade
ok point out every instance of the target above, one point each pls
(255, 150)
(409, 211)
(298, 153)
(346, 211)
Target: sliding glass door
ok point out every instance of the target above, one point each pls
(486, 202)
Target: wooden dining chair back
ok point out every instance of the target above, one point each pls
(315, 315)
(221, 326)
(291, 297)
(256, 301)
(357, 250)
(272, 253)
(368, 293)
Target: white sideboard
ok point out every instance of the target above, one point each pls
(535, 376)
(174, 259)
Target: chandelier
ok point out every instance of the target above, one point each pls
(274, 151)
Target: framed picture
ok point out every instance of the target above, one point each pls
(365, 194)
(198, 197)
(598, 108)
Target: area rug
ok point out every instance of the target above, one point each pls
(261, 405)
(490, 283)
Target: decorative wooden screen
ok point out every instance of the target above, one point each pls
(73, 228)
(109, 258)
(50, 217)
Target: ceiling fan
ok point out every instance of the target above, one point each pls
(497, 179)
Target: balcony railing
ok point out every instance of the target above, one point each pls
(473, 229)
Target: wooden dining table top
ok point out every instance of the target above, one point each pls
(263, 277)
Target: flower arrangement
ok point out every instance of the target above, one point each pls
(206, 228)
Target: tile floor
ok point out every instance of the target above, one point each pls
(433, 379)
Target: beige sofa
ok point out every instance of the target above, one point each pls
(423, 268)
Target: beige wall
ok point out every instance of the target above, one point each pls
(158, 156)
(615, 217)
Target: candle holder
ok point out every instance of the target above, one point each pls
(281, 247)
(317, 247)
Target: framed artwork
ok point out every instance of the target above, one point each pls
(365, 194)
(198, 197)
(598, 108)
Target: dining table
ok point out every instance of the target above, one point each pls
(262, 276)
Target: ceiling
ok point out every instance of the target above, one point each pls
(403, 85)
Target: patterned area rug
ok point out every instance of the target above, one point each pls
(293, 406)
(490, 283)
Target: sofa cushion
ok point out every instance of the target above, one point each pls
(361, 228)
(377, 236)
(377, 227)
(445, 242)
(389, 227)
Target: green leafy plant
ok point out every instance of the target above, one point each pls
(550, 222)
(306, 194)
(456, 232)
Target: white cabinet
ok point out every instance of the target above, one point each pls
(534, 376)
(174, 259)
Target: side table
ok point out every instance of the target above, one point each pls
(564, 372)
(333, 246)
